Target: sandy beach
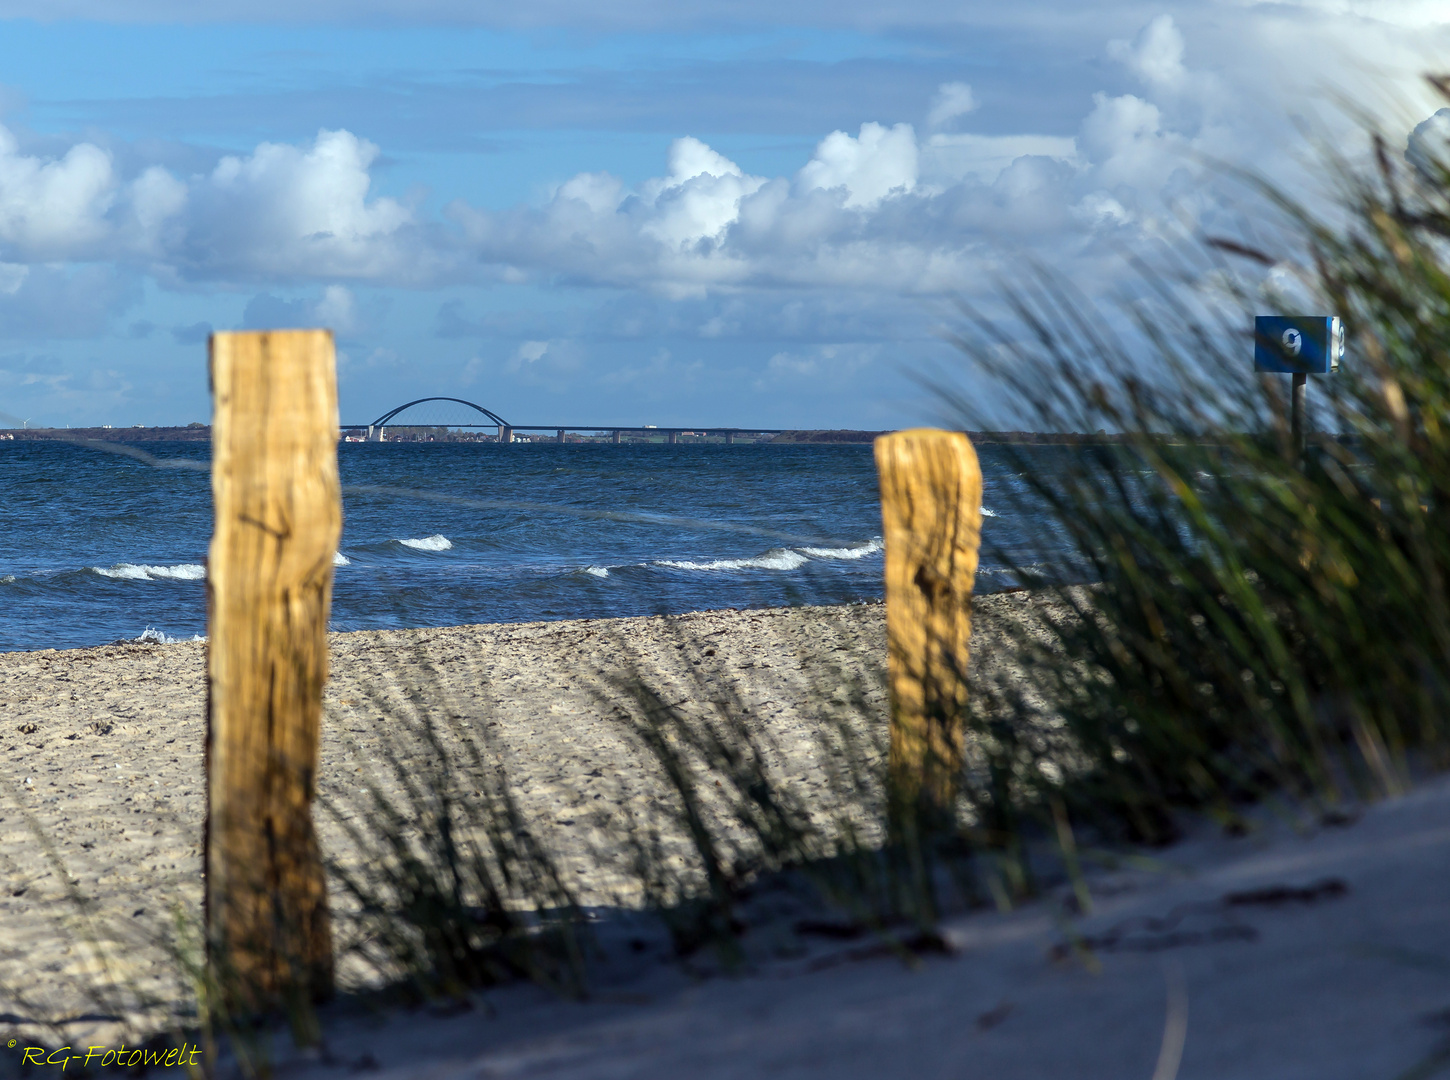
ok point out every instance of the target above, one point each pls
(1314, 952)
(101, 776)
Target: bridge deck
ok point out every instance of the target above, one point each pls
(661, 429)
(506, 429)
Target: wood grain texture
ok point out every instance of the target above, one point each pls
(931, 516)
(269, 587)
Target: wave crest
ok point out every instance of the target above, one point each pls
(774, 559)
(436, 542)
(859, 551)
(153, 636)
(142, 572)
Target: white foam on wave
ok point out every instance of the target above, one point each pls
(339, 559)
(153, 636)
(8, 579)
(774, 559)
(988, 513)
(436, 542)
(141, 572)
(859, 551)
(596, 571)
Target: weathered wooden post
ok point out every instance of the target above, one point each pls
(931, 517)
(269, 586)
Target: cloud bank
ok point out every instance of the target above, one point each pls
(707, 272)
(282, 213)
(918, 206)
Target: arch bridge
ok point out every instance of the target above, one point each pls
(495, 418)
(376, 429)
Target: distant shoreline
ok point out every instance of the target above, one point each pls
(804, 436)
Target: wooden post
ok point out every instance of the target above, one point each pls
(931, 516)
(269, 585)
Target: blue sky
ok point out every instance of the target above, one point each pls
(641, 212)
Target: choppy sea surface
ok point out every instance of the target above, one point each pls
(96, 546)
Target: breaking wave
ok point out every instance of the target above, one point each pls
(779, 558)
(436, 542)
(339, 559)
(153, 636)
(596, 571)
(774, 559)
(141, 572)
(859, 551)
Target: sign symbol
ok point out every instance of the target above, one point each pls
(1293, 341)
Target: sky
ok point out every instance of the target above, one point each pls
(663, 212)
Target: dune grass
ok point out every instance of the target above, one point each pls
(1260, 623)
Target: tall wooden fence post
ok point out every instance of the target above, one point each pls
(931, 516)
(269, 586)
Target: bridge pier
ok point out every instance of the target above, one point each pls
(674, 437)
(561, 434)
(505, 433)
(730, 438)
(615, 437)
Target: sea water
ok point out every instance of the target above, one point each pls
(97, 546)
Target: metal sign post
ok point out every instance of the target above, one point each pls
(1298, 346)
(1296, 411)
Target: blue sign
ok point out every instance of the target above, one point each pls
(1298, 344)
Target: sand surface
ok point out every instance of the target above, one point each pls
(1288, 954)
(1317, 953)
(102, 792)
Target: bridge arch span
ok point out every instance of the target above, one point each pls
(388, 416)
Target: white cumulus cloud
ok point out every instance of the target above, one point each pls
(286, 212)
(55, 208)
(699, 198)
(282, 212)
(868, 167)
(1155, 55)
